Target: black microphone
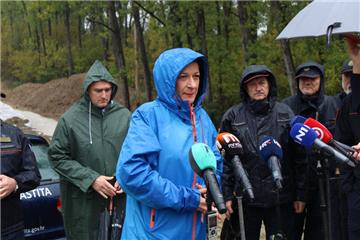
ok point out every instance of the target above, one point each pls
(232, 147)
(271, 153)
(307, 137)
(203, 162)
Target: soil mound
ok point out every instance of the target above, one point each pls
(50, 99)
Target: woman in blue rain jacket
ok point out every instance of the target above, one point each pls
(164, 200)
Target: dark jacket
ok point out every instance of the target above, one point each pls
(18, 162)
(348, 132)
(320, 107)
(250, 121)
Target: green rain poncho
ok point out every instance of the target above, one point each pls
(85, 145)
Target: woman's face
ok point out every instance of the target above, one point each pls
(188, 81)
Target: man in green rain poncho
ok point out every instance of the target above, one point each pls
(84, 152)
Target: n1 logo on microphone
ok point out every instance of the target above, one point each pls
(301, 133)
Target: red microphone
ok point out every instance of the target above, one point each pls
(325, 135)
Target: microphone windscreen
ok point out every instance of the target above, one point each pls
(230, 143)
(303, 135)
(269, 147)
(201, 157)
(323, 133)
(297, 119)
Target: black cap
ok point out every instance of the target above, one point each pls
(256, 75)
(347, 67)
(309, 71)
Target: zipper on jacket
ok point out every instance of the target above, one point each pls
(152, 218)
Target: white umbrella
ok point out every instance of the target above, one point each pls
(322, 17)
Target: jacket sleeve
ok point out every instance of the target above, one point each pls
(61, 160)
(140, 181)
(28, 176)
(343, 133)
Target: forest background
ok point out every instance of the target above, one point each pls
(45, 40)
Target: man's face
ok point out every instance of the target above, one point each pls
(187, 83)
(100, 93)
(309, 86)
(345, 82)
(258, 88)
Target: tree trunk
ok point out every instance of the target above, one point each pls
(119, 54)
(26, 14)
(137, 78)
(80, 31)
(289, 65)
(143, 56)
(248, 29)
(227, 11)
(68, 39)
(174, 21)
(201, 32)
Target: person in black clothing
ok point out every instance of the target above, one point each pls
(346, 71)
(311, 101)
(348, 132)
(338, 197)
(19, 173)
(258, 115)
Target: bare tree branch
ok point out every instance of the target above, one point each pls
(150, 12)
(98, 22)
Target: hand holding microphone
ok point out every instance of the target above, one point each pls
(233, 147)
(203, 162)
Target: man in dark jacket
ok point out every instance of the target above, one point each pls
(19, 173)
(84, 151)
(310, 101)
(348, 132)
(346, 70)
(258, 115)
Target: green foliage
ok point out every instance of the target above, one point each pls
(33, 41)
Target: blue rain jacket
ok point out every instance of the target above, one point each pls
(153, 166)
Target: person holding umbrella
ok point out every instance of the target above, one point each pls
(348, 132)
(84, 150)
(165, 198)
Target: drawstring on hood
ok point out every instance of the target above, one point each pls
(90, 137)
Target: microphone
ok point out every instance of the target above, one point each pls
(325, 135)
(271, 152)
(297, 119)
(203, 162)
(307, 137)
(233, 147)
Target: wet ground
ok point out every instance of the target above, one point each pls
(27, 121)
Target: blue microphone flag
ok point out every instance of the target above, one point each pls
(303, 135)
(270, 147)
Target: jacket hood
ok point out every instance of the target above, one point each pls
(167, 68)
(319, 68)
(252, 71)
(98, 72)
